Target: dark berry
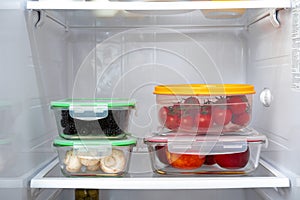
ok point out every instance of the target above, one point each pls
(73, 130)
(109, 126)
(64, 122)
(67, 130)
(65, 113)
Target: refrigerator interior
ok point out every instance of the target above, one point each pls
(125, 54)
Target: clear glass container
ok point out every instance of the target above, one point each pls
(236, 154)
(94, 157)
(204, 108)
(92, 118)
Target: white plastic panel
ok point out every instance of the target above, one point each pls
(28, 80)
(270, 67)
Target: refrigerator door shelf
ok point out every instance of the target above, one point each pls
(264, 177)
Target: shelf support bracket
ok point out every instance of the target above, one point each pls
(39, 17)
(274, 19)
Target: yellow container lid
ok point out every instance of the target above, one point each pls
(204, 89)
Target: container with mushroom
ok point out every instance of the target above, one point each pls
(82, 158)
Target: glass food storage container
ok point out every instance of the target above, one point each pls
(234, 154)
(94, 157)
(92, 118)
(204, 108)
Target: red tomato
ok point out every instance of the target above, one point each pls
(186, 122)
(192, 101)
(203, 118)
(190, 106)
(234, 160)
(203, 121)
(185, 161)
(221, 115)
(206, 109)
(237, 104)
(172, 122)
(175, 110)
(241, 119)
(163, 114)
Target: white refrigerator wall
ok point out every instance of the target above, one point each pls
(270, 66)
(29, 80)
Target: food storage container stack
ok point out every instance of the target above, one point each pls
(93, 138)
(204, 130)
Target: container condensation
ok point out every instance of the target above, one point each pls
(204, 108)
(175, 154)
(93, 118)
(94, 157)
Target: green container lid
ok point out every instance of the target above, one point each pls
(63, 142)
(109, 102)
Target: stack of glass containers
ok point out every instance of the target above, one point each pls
(93, 138)
(204, 130)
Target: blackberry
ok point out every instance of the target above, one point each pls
(64, 122)
(70, 129)
(65, 113)
(73, 130)
(67, 130)
(71, 120)
(109, 126)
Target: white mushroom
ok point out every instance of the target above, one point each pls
(67, 157)
(89, 161)
(95, 167)
(72, 162)
(89, 158)
(114, 163)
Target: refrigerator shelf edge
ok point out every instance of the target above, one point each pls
(23, 179)
(270, 178)
(143, 5)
